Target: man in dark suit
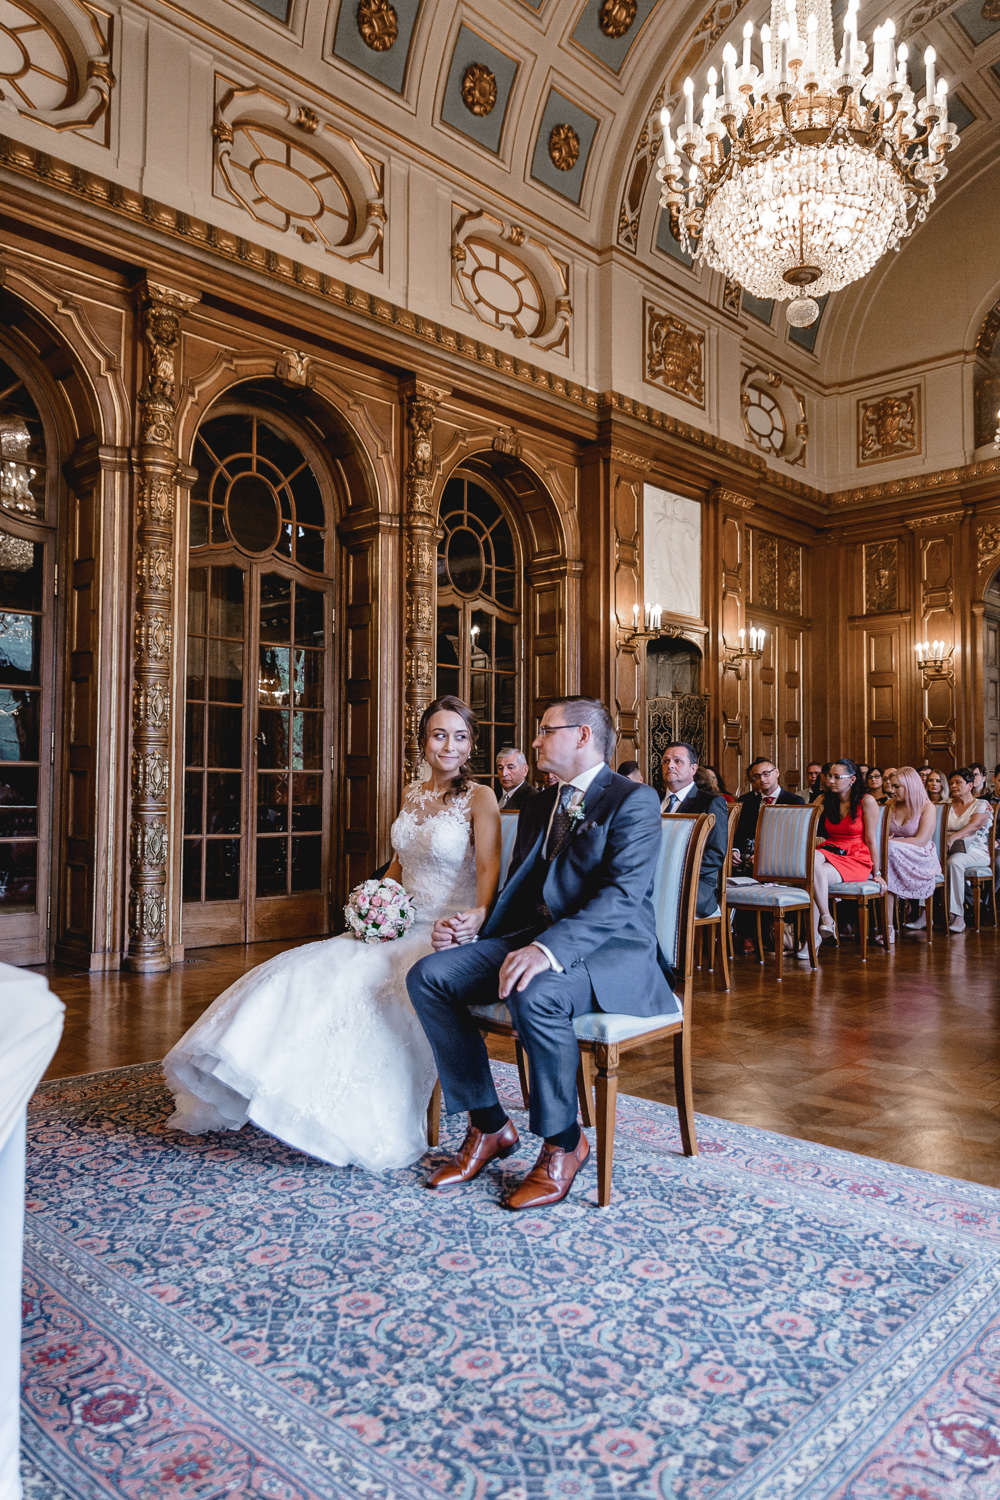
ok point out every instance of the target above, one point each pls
(679, 763)
(573, 930)
(512, 774)
(767, 791)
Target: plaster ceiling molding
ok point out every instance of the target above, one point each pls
(298, 174)
(607, 30)
(674, 354)
(511, 281)
(889, 426)
(774, 415)
(478, 89)
(55, 64)
(374, 36)
(563, 145)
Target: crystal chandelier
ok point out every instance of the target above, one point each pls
(802, 174)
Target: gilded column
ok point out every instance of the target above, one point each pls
(160, 312)
(420, 541)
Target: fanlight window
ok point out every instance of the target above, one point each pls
(256, 490)
(764, 420)
(476, 554)
(500, 289)
(22, 448)
(35, 65)
(288, 186)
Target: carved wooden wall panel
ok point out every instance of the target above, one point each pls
(882, 687)
(732, 708)
(629, 659)
(937, 622)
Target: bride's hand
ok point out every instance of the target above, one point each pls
(466, 924)
(442, 935)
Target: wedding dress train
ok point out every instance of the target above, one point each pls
(320, 1046)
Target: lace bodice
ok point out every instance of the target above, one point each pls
(437, 853)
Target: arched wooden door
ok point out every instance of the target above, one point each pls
(27, 673)
(260, 686)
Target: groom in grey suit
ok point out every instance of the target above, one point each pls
(573, 930)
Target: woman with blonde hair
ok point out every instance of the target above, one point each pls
(913, 866)
(935, 787)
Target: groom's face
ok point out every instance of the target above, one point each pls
(559, 743)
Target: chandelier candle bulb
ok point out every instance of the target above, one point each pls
(930, 57)
(688, 105)
(902, 56)
(811, 45)
(729, 73)
(783, 65)
(747, 39)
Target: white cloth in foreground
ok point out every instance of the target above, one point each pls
(320, 1046)
(31, 1022)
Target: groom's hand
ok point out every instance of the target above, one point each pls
(442, 934)
(520, 968)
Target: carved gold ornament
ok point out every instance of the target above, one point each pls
(674, 355)
(616, 17)
(888, 427)
(991, 10)
(881, 577)
(564, 148)
(479, 89)
(378, 24)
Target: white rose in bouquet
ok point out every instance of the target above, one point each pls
(378, 911)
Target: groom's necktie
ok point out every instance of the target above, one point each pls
(561, 823)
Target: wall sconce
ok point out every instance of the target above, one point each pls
(652, 623)
(743, 652)
(934, 658)
(996, 435)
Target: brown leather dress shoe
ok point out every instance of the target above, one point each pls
(475, 1152)
(551, 1177)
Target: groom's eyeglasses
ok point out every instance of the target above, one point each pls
(546, 729)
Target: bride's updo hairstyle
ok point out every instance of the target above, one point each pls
(452, 705)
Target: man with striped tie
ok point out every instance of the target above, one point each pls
(679, 763)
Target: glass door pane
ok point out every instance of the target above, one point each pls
(23, 779)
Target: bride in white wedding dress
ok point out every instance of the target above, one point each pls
(320, 1046)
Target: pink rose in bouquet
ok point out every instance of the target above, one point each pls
(378, 911)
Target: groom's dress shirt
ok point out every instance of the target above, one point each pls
(580, 784)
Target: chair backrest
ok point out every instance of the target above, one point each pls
(675, 886)
(508, 834)
(786, 844)
(734, 818)
(941, 833)
(882, 838)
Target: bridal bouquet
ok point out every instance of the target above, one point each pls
(378, 911)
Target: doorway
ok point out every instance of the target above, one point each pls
(991, 673)
(27, 668)
(260, 687)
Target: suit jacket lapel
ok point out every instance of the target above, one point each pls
(592, 798)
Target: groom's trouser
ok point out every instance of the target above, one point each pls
(444, 985)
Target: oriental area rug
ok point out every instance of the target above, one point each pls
(222, 1316)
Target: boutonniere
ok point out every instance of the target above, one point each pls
(575, 814)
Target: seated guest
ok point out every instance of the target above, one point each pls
(979, 784)
(679, 764)
(767, 792)
(996, 784)
(969, 820)
(630, 768)
(913, 865)
(934, 783)
(709, 780)
(863, 770)
(823, 783)
(812, 779)
(924, 772)
(549, 778)
(512, 774)
(875, 783)
(847, 849)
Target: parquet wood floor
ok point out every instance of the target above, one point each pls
(898, 1058)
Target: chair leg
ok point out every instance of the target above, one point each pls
(434, 1115)
(699, 946)
(685, 1098)
(778, 925)
(709, 934)
(760, 941)
(929, 917)
(585, 1088)
(807, 918)
(723, 971)
(977, 897)
(863, 928)
(522, 1072)
(607, 1103)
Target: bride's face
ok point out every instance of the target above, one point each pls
(448, 744)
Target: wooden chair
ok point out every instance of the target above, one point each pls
(603, 1036)
(783, 856)
(508, 835)
(985, 875)
(941, 845)
(867, 893)
(713, 932)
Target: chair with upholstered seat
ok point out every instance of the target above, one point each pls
(867, 893)
(603, 1036)
(982, 875)
(783, 856)
(713, 931)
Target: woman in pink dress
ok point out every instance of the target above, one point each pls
(913, 864)
(846, 850)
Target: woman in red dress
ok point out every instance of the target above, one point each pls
(846, 848)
